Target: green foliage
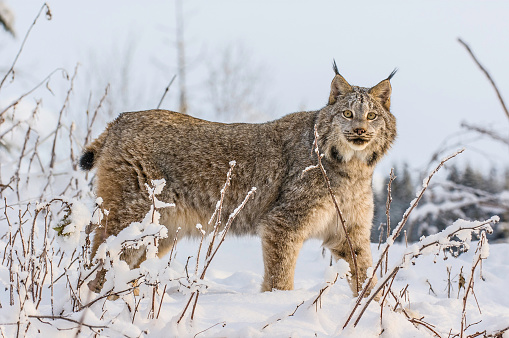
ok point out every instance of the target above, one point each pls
(65, 221)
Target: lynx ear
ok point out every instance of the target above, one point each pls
(382, 91)
(339, 86)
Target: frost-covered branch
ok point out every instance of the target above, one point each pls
(458, 235)
(393, 237)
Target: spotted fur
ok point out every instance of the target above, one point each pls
(192, 155)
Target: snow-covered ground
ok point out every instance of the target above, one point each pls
(43, 277)
(230, 304)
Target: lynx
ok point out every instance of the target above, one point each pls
(355, 129)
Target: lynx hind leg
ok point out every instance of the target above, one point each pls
(166, 244)
(280, 251)
(116, 220)
(364, 261)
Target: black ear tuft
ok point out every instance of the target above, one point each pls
(335, 67)
(87, 160)
(392, 74)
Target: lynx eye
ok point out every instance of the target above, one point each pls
(371, 116)
(348, 114)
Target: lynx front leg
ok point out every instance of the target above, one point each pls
(280, 251)
(364, 261)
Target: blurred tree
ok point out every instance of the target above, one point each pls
(237, 86)
(402, 192)
(181, 56)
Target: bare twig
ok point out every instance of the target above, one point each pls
(45, 80)
(409, 255)
(470, 284)
(393, 237)
(11, 70)
(487, 75)
(426, 325)
(69, 320)
(211, 251)
(94, 115)
(166, 91)
(64, 106)
(388, 212)
(484, 131)
(279, 319)
(322, 290)
(338, 210)
(161, 302)
(220, 323)
(218, 210)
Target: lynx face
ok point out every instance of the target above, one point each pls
(359, 118)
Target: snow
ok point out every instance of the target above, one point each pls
(44, 277)
(231, 305)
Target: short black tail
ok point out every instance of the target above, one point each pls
(87, 160)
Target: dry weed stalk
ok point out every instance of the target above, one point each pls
(334, 201)
(429, 242)
(11, 70)
(94, 115)
(166, 92)
(211, 252)
(484, 131)
(21, 97)
(487, 75)
(480, 254)
(289, 315)
(59, 123)
(389, 243)
(223, 324)
(318, 300)
(388, 214)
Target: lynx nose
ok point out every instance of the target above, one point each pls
(359, 131)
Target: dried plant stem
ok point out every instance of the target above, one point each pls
(470, 285)
(209, 258)
(161, 302)
(220, 323)
(219, 209)
(67, 319)
(487, 75)
(106, 295)
(388, 212)
(16, 174)
(430, 327)
(11, 70)
(290, 315)
(45, 80)
(488, 132)
(59, 123)
(410, 256)
(338, 210)
(166, 91)
(391, 240)
(94, 115)
(384, 297)
(318, 299)
(231, 218)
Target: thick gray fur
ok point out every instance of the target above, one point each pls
(289, 206)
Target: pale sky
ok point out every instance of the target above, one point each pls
(438, 86)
